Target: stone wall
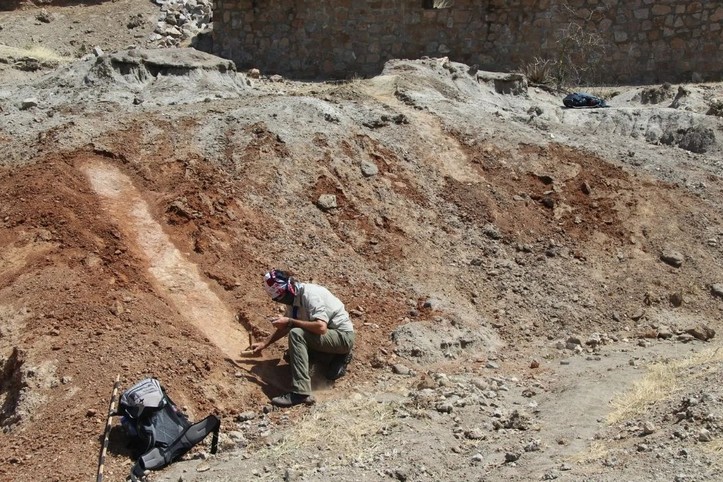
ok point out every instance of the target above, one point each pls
(645, 40)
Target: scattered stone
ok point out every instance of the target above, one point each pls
(491, 231)
(533, 446)
(665, 332)
(534, 364)
(516, 420)
(327, 202)
(676, 299)
(91, 412)
(523, 248)
(648, 428)
(585, 188)
(399, 119)
(573, 342)
(475, 434)
(673, 258)
(594, 340)
(245, 416)
(717, 290)
(28, 103)
(528, 393)
(401, 475)
(369, 169)
(431, 303)
(481, 384)
(701, 332)
(375, 123)
(116, 308)
(400, 369)
(180, 208)
(135, 21)
(638, 314)
(512, 457)
(704, 435)
(44, 16)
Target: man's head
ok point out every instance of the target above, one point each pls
(280, 285)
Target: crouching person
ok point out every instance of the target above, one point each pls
(315, 322)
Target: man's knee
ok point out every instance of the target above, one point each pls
(297, 335)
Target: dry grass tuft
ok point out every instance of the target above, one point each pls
(659, 384)
(716, 445)
(37, 52)
(346, 427)
(596, 451)
(539, 71)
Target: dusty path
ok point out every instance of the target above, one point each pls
(177, 279)
(578, 405)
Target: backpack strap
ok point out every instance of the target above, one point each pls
(160, 457)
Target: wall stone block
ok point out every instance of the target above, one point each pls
(659, 10)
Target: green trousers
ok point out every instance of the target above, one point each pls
(301, 341)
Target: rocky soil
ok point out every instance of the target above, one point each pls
(536, 290)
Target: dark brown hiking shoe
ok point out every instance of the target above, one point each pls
(291, 399)
(337, 366)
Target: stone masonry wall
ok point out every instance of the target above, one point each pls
(646, 40)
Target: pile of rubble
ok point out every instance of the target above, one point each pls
(181, 22)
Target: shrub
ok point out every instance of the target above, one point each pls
(539, 71)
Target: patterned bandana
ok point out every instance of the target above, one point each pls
(277, 283)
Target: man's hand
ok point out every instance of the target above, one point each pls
(281, 322)
(257, 347)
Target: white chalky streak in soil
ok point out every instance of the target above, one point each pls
(176, 277)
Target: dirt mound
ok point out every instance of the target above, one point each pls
(137, 76)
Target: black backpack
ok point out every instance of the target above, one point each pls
(581, 100)
(160, 433)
